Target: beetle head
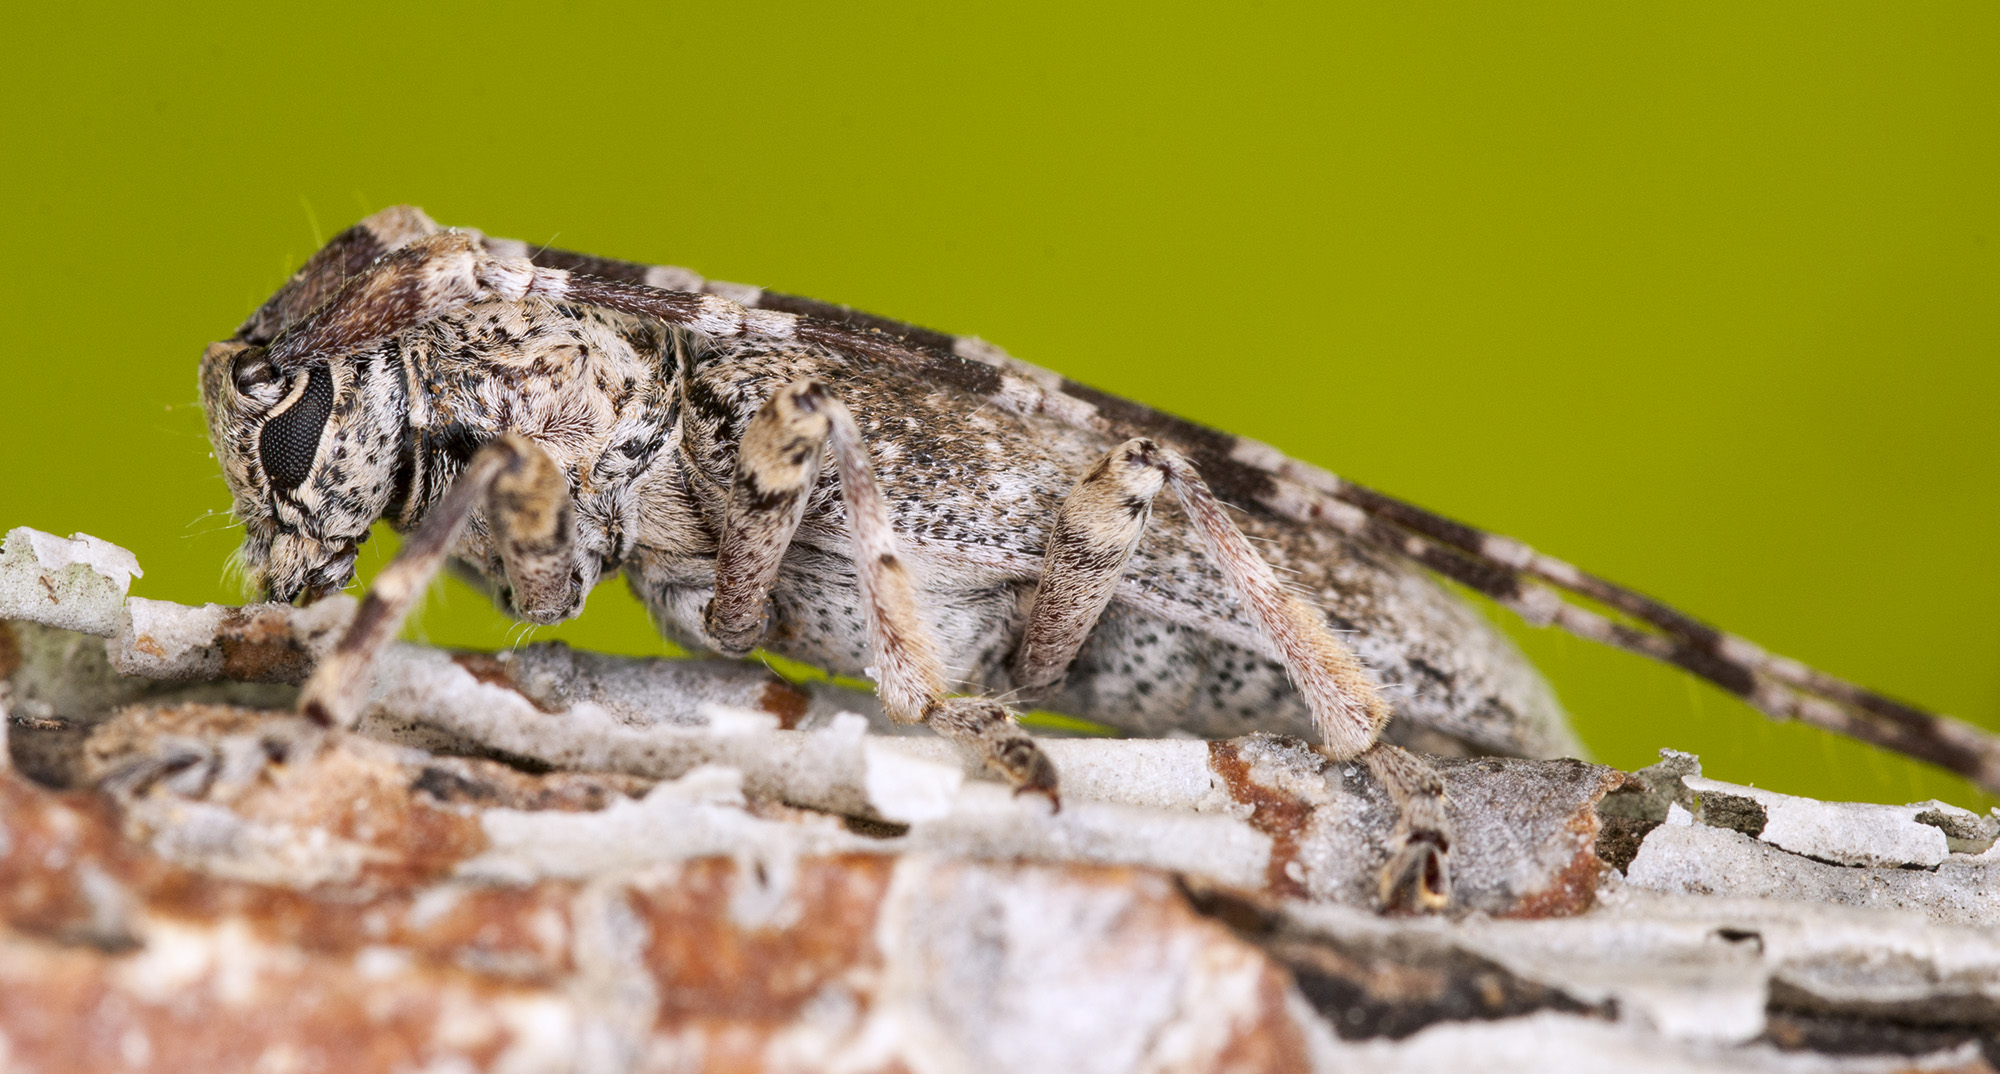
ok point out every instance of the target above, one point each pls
(312, 458)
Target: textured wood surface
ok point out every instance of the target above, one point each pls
(556, 861)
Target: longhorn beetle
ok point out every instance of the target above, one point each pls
(881, 499)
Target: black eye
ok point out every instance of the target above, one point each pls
(290, 438)
(252, 371)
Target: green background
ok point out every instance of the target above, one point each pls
(1700, 297)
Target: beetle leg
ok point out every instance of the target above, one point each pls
(776, 468)
(1417, 876)
(1093, 538)
(1095, 532)
(1348, 708)
(777, 464)
(533, 523)
(528, 509)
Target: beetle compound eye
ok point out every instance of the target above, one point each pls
(290, 437)
(252, 371)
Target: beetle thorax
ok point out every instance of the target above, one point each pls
(593, 389)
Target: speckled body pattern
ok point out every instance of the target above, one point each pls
(974, 457)
(973, 491)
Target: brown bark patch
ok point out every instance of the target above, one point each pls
(785, 701)
(493, 671)
(259, 645)
(707, 966)
(1572, 889)
(63, 863)
(10, 650)
(64, 1010)
(1281, 816)
(1273, 1041)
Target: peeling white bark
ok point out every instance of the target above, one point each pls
(76, 583)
